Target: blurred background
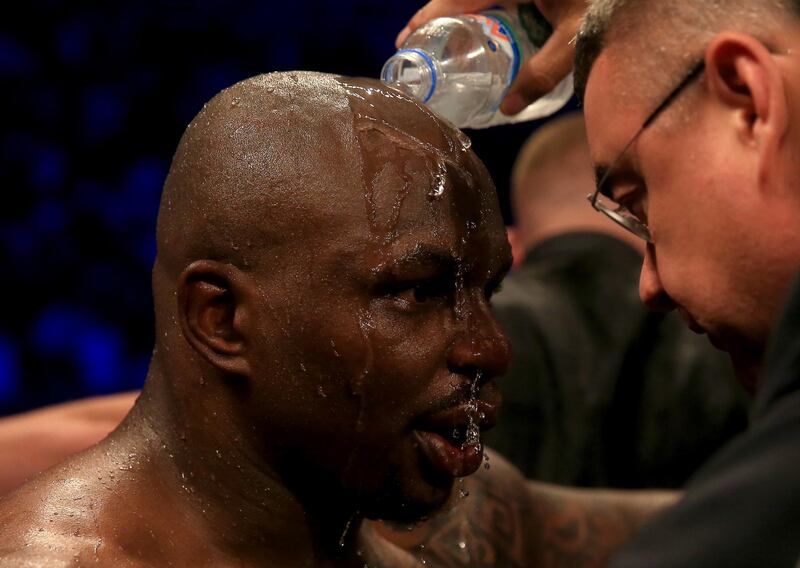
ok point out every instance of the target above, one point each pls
(95, 98)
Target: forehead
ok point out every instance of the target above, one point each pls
(614, 107)
(405, 178)
(416, 193)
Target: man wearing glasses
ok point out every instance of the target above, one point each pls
(692, 111)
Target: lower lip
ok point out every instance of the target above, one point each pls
(446, 457)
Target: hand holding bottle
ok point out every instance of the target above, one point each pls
(539, 74)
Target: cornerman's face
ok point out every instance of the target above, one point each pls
(379, 346)
(695, 184)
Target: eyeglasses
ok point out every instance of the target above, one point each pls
(617, 212)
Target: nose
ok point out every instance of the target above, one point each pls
(651, 290)
(481, 346)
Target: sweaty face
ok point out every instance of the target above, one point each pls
(694, 183)
(379, 347)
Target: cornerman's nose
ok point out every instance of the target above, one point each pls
(481, 346)
(651, 290)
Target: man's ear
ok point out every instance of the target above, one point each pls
(744, 75)
(213, 311)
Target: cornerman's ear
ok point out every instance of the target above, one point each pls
(745, 76)
(213, 309)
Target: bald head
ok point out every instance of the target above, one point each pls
(278, 148)
(661, 40)
(254, 158)
(551, 178)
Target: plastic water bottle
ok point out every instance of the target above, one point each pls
(461, 67)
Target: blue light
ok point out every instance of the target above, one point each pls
(9, 370)
(99, 357)
(56, 329)
(15, 60)
(47, 168)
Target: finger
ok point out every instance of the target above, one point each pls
(438, 8)
(542, 72)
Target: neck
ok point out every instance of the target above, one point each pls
(227, 484)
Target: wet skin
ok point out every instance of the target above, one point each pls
(327, 250)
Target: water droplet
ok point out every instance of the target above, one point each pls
(466, 143)
(473, 434)
(439, 179)
(462, 545)
(343, 538)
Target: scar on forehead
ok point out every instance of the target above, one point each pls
(406, 140)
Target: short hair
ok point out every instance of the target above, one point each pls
(557, 149)
(685, 23)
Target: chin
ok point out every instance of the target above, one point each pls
(407, 501)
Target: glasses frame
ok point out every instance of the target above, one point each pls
(621, 215)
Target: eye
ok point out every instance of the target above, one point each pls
(632, 199)
(427, 291)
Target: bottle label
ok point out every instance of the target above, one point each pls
(533, 22)
(500, 36)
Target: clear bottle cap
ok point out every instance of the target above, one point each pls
(411, 71)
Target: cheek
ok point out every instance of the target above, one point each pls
(408, 369)
(311, 356)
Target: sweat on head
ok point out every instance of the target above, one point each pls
(327, 247)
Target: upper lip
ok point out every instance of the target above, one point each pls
(458, 416)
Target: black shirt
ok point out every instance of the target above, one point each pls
(743, 508)
(602, 391)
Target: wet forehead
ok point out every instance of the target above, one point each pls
(417, 181)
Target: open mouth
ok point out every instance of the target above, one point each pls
(449, 440)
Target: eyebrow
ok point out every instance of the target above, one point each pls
(426, 256)
(441, 259)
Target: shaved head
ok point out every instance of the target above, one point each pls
(267, 151)
(252, 161)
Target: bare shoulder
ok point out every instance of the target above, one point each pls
(38, 557)
(32, 531)
(53, 522)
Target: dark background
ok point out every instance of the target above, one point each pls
(95, 97)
